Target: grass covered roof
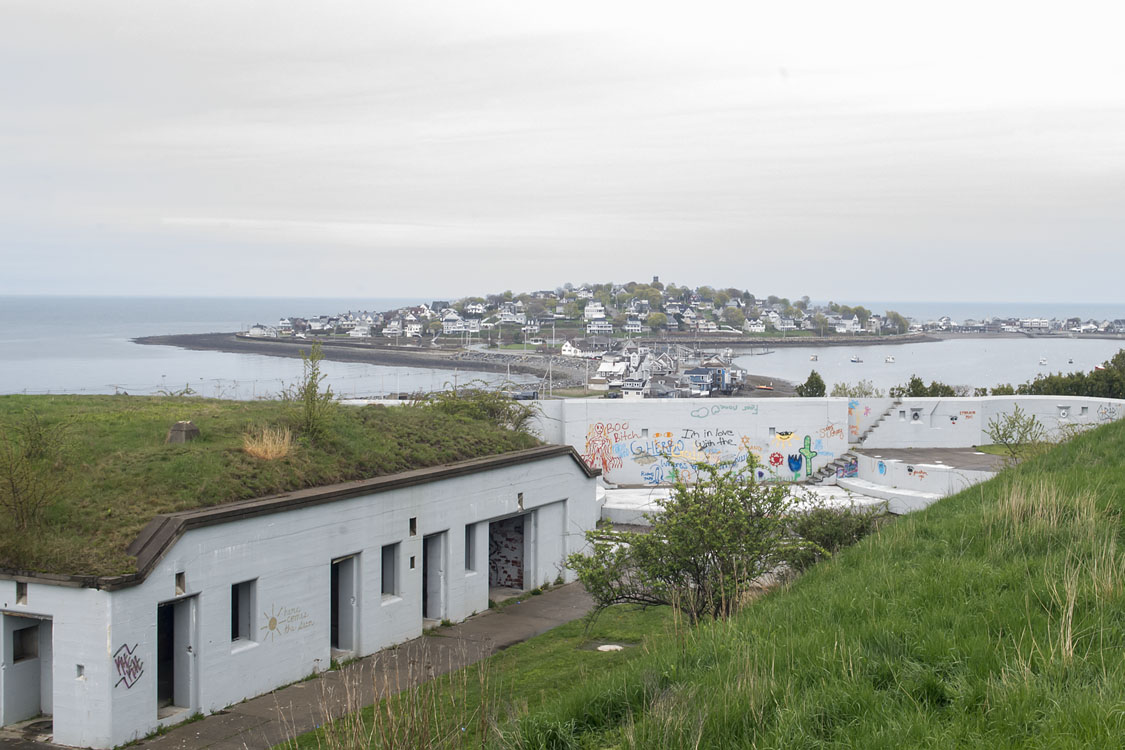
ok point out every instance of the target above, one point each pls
(95, 469)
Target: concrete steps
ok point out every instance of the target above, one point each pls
(827, 473)
(874, 425)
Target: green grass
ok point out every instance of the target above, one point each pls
(995, 618)
(502, 688)
(116, 472)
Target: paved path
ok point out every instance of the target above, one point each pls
(269, 719)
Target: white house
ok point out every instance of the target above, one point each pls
(754, 325)
(594, 311)
(260, 331)
(360, 331)
(232, 601)
(596, 327)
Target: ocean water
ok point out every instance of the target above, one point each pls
(83, 345)
(976, 362)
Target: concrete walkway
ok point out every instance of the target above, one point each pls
(267, 720)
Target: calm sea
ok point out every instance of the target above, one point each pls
(83, 345)
(976, 362)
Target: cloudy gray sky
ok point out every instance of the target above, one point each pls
(859, 150)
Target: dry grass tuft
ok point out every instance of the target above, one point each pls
(268, 443)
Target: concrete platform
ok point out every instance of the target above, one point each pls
(958, 458)
(629, 506)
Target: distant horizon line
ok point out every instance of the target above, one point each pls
(850, 302)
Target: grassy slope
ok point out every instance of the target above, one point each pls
(511, 683)
(996, 618)
(118, 472)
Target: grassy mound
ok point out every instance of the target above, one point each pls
(114, 471)
(996, 618)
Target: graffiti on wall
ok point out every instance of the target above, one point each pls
(848, 470)
(600, 440)
(128, 664)
(281, 621)
(1107, 412)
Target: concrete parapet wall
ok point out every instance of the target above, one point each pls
(963, 422)
(933, 478)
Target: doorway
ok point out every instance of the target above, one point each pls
(433, 577)
(175, 656)
(28, 663)
(507, 542)
(344, 605)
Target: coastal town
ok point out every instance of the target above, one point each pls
(637, 340)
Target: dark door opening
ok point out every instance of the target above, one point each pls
(506, 542)
(344, 604)
(175, 656)
(165, 655)
(433, 577)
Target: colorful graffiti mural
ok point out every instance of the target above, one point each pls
(848, 470)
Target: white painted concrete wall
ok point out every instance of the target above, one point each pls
(289, 555)
(863, 413)
(79, 626)
(961, 422)
(936, 478)
(639, 443)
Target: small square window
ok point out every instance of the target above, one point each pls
(242, 610)
(412, 562)
(413, 527)
(21, 592)
(25, 643)
(181, 584)
(80, 671)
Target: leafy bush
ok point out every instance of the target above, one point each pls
(829, 529)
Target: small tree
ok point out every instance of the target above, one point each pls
(710, 542)
(1019, 433)
(314, 407)
(32, 464)
(813, 387)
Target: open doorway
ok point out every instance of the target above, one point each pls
(345, 608)
(506, 557)
(433, 577)
(175, 657)
(28, 667)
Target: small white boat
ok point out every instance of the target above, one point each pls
(889, 360)
(1042, 361)
(855, 358)
(813, 358)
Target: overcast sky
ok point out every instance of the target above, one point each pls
(846, 150)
